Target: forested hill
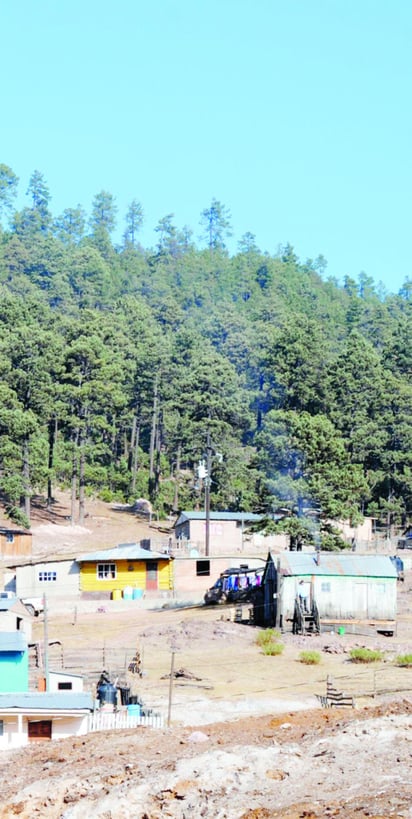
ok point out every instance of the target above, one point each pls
(118, 361)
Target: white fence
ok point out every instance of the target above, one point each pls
(120, 720)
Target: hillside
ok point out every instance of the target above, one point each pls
(124, 369)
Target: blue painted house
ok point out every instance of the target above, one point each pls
(14, 662)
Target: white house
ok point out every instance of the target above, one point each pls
(15, 617)
(34, 717)
(51, 576)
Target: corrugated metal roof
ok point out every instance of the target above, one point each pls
(13, 641)
(332, 563)
(237, 516)
(46, 701)
(124, 551)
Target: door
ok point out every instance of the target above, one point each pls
(360, 602)
(151, 575)
(39, 730)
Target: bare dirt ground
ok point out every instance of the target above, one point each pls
(247, 739)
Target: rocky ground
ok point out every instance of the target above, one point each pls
(248, 737)
(314, 763)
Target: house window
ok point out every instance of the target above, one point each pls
(64, 686)
(47, 577)
(9, 537)
(106, 571)
(202, 568)
(325, 587)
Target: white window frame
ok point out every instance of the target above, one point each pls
(106, 571)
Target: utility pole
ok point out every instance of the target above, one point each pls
(207, 493)
(46, 644)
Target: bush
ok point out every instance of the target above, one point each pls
(404, 660)
(272, 649)
(18, 516)
(269, 635)
(365, 655)
(309, 657)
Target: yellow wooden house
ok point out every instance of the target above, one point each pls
(127, 568)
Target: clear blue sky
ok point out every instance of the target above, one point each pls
(295, 114)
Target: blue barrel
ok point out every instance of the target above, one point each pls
(127, 593)
(133, 710)
(137, 594)
(107, 694)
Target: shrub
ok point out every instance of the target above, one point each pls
(269, 635)
(272, 649)
(405, 660)
(309, 657)
(18, 516)
(365, 655)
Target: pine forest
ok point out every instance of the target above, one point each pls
(120, 364)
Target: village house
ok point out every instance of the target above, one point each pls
(345, 589)
(14, 667)
(229, 534)
(127, 570)
(52, 576)
(194, 576)
(15, 617)
(33, 716)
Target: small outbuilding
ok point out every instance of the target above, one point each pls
(62, 681)
(15, 542)
(14, 616)
(341, 588)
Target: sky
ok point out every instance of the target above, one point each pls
(294, 114)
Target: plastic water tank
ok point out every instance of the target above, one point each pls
(107, 694)
(128, 593)
(133, 710)
(137, 594)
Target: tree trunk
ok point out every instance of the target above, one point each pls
(158, 446)
(81, 485)
(153, 430)
(129, 450)
(75, 441)
(135, 462)
(177, 476)
(52, 441)
(26, 478)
